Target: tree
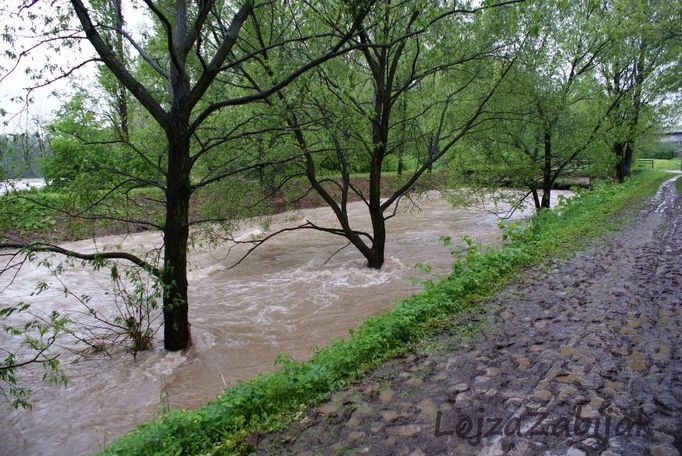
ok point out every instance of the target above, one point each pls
(549, 111)
(419, 81)
(192, 75)
(84, 146)
(637, 73)
(20, 154)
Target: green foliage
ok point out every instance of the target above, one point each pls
(20, 155)
(132, 321)
(86, 153)
(29, 342)
(640, 74)
(657, 150)
(31, 210)
(545, 118)
(269, 400)
(136, 297)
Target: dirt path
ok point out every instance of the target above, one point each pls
(580, 357)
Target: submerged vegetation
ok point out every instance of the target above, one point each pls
(270, 400)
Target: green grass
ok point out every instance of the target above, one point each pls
(271, 400)
(667, 165)
(672, 164)
(678, 185)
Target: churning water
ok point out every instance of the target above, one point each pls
(283, 298)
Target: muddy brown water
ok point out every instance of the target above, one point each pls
(282, 299)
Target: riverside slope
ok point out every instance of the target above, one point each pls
(578, 357)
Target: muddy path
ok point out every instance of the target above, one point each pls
(578, 357)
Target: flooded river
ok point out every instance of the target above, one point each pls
(282, 298)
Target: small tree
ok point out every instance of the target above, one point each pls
(35, 337)
(419, 81)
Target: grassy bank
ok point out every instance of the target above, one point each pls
(272, 399)
(672, 164)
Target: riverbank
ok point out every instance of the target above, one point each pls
(285, 298)
(52, 216)
(20, 185)
(270, 400)
(38, 214)
(577, 357)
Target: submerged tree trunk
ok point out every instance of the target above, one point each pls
(375, 255)
(536, 197)
(176, 235)
(380, 136)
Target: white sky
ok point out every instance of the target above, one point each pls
(46, 100)
(21, 117)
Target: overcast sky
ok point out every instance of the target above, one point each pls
(21, 117)
(46, 100)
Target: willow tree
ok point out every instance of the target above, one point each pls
(188, 80)
(420, 79)
(550, 112)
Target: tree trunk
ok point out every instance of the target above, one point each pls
(547, 173)
(622, 169)
(121, 95)
(375, 256)
(380, 133)
(627, 159)
(626, 149)
(546, 196)
(176, 235)
(536, 197)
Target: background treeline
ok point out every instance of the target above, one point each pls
(21, 155)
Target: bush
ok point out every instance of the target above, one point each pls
(31, 210)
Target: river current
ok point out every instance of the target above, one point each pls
(284, 298)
